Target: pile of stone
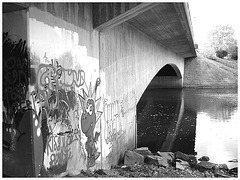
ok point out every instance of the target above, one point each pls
(177, 160)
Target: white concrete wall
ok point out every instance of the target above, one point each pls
(64, 71)
(128, 62)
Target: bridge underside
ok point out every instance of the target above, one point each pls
(81, 60)
(168, 24)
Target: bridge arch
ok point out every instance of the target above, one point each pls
(169, 76)
(169, 80)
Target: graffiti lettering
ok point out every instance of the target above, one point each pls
(56, 142)
(58, 146)
(15, 86)
(15, 73)
(52, 78)
(60, 157)
(113, 127)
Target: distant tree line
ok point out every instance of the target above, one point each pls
(222, 43)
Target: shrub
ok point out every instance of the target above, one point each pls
(221, 53)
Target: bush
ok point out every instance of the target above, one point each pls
(234, 54)
(221, 53)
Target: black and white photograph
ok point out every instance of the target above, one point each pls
(120, 89)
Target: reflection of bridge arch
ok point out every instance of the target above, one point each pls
(169, 76)
(149, 114)
(162, 121)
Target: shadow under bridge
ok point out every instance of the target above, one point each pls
(161, 112)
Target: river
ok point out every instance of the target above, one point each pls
(202, 122)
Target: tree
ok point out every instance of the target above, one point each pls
(221, 42)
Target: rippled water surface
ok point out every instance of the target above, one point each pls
(193, 121)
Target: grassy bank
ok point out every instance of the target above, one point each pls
(201, 72)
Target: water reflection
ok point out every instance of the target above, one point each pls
(193, 121)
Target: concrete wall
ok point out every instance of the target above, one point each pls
(57, 112)
(64, 85)
(128, 62)
(78, 89)
(17, 149)
(166, 82)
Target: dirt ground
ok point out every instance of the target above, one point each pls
(144, 170)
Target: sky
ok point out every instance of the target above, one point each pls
(205, 15)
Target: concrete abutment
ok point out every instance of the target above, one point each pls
(78, 89)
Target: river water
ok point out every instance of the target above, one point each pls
(202, 122)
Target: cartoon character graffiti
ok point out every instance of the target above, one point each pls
(89, 118)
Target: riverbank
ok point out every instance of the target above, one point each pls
(142, 163)
(202, 72)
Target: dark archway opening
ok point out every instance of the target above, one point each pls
(159, 114)
(168, 76)
(167, 70)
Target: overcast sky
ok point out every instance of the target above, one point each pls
(205, 15)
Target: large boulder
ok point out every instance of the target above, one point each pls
(143, 151)
(205, 166)
(191, 159)
(182, 156)
(204, 158)
(167, 155)
(132, 157)
(156, 160)
(180, 164)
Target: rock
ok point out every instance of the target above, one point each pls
(124, 166)
(143, 151)
(100, 172)
(233, 171)
(205, 165)
(154, 174)
(132, 157)
(219, 174)
(156, 160)
(204, 158)
(191, 159)
(180, 164)
(151, 159)
(221, 167)
(180, 155)
(233, 160)
(168, 155)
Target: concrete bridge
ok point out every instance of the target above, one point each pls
(73, 74)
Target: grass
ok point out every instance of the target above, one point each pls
(201, 72)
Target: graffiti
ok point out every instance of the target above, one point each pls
(89, 118)
(15, 73)
(15, 87)
(52, 78)
(111, 115)
(58, 147)
(54, 97)
(58, 104)
(57, 114)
